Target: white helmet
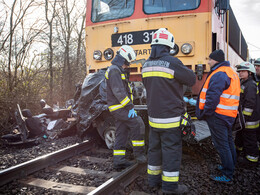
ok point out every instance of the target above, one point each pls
(127, 52)
(246, 66)
(163, 37)
(257, 62)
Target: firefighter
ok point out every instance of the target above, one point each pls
(257, 68)
(246, 139)
(218, 104)
(163, 77)
(120, 104)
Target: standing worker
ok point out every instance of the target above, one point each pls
(120, 104)
(246, 139)
(218, 104)
(257, 68)
(164, 77)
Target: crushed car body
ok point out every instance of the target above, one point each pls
(93, 110)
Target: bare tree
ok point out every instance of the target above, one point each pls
(10, 46)
(28, 71)
(65, 25)
(19, 37)
(80, 45)
(16, 20)
(50, 25)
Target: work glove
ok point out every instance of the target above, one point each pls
(132, 113)
(192, 102)
(185, 99)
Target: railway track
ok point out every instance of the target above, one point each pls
(78, 169)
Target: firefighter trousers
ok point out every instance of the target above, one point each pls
(164, 157)
(258, 138)
(246, 140)
(134, 127)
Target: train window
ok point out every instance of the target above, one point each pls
(103, 10)
(161, 6)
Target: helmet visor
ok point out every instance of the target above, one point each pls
(239, 67)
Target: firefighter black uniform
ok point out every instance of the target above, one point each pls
(120, 101)
(257, 66)
(258, 108)
(246, 139)
(164, 77)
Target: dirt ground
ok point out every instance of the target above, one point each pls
(198, 162)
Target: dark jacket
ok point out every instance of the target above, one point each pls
(118, 89)
(165, 95)
(249, 99)
(218, 83)
(258, 85)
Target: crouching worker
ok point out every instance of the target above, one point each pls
(120, 102)
(246, 139)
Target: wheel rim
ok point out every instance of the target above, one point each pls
(110, 136)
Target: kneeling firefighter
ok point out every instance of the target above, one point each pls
(120, 102)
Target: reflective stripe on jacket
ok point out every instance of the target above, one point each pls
(229, 100)
(164, 123)
(163, 77)
(250, 100)
(119, 92)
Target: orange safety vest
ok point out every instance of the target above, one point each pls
(229, 99)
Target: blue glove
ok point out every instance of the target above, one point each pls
(132, 113)
(185, 99)
(192, 102)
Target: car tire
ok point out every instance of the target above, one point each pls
(110, 136)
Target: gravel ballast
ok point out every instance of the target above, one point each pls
(198, 162)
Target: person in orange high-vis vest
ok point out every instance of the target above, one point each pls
(218, 104)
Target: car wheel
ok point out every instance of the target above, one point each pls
(110, 137)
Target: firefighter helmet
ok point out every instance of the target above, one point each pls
(127, 52)
(246, 66)
(163, 37)
(257, 62)
(42, 103)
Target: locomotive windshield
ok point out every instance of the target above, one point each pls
(161, 6)
(103, 10)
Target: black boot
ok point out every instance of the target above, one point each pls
(246, 163)
(122, 165)
(141, 159)
(181, 189)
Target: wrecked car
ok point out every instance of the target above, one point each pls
(50, 124)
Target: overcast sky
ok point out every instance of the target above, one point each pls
(247, 13)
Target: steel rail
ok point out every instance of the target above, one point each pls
(120, 181)
(26, 168)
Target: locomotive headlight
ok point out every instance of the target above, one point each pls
(108, 54)
(186, 48)
(97, 55)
